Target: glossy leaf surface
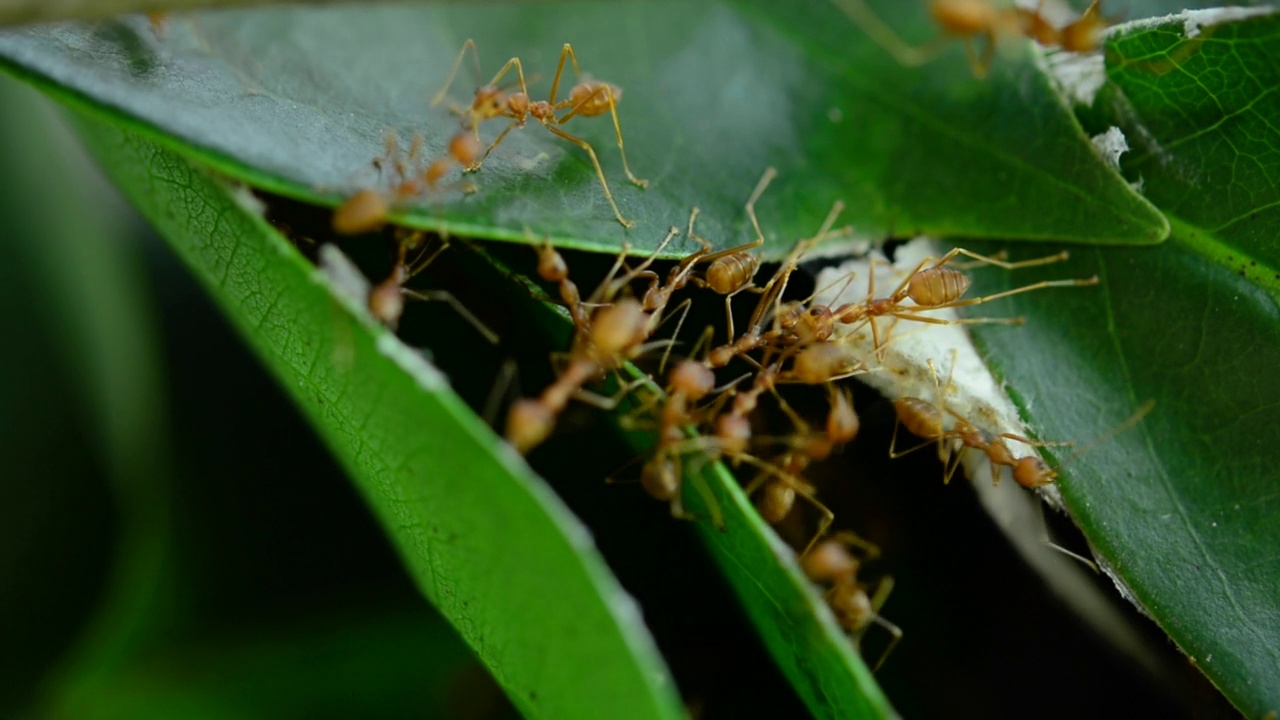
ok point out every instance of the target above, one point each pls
(298, 101)
(1182, 507)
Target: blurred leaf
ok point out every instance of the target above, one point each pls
(1182, 508)
(485, 540)
(297, 101)
(88, 293)
(386, 667)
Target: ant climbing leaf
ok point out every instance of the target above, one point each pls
(706, 95)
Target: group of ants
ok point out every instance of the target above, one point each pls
(698, 416)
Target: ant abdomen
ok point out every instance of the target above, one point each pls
(921, 418)
(937, 285)
(732, 273)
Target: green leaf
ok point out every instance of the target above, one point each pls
(486, 541)
(1181, 508)
(792, 619)
(76, 278)
(386, 664)
(298, 101)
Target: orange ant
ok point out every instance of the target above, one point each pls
(971, 20)
(588, 98)
(386, 299)
(612, 334)
(926, 420)
(770, 306)
(661, 476)
(831, 563)
(937, 287)
(367, 209)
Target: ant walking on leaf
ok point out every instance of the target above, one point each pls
(587, 98)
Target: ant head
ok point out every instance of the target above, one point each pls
(487, 103)
(1032, 472)
(660, 479)
(528, 424)
(829, 560)
(734, 432)
(617, 327)
(693, 379)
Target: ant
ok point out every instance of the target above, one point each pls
(926, 420)
(831, 563)
(367, 209)
(971, 20)
(937, 287)
(770, 305)
(386, 299)
(612, 334)
(588, 98)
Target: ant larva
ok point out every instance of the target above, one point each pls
(588, 98)
(973, 20)
(367, 209)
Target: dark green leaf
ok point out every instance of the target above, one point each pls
(1182, 508)
(485, 540)
(298, 101)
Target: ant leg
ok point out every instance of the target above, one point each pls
(642, 270)
(666, 354)
(877, 601)
(1048, 541)
(599, 171)
(689, 233)
(453, 72)
(709, 499)
(501, 389)
(1081, 282)
(566, 51)
(824, 524)
(998, 259)
(893, 443)
(882, 35)
(617, 128)
(769, 174)
(496, 142)
(608, 403)
(447, 297)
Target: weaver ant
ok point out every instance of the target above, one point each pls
(587, 98)
(971, 20)
(937, 287)
(831, 563)
(366, 210)
(386, 299)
